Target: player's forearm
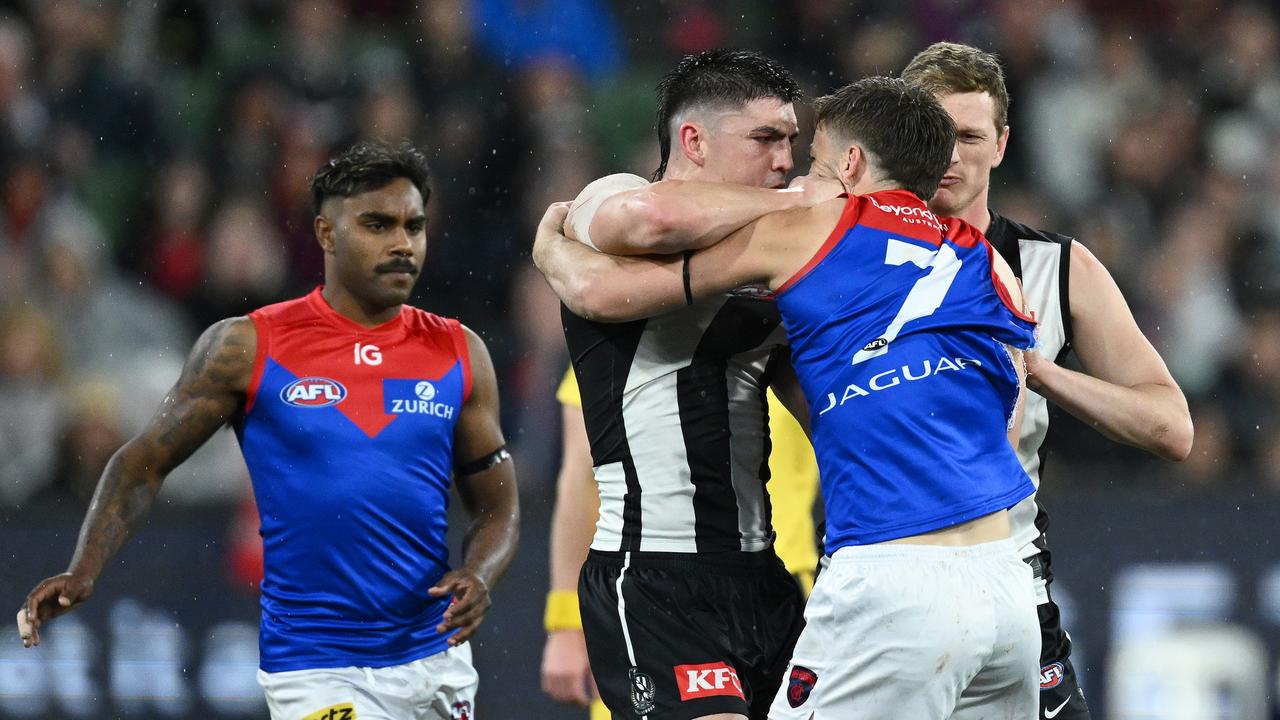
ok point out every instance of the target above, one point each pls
(673, 216)
(1150, 416)
(572, 527)
(606, 288)
(491, 542)
(124, 496)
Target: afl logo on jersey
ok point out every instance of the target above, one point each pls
(313, 392)
(1051, 675)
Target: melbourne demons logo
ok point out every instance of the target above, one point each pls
(313, 392)
(800, 684)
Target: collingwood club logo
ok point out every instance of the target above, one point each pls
(642, 692)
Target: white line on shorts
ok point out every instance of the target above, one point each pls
(622, 615)
(622, 610)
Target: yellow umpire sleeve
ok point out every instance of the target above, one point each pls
(567, 393)
(793, 488)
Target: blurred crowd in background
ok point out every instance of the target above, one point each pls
(155, 156)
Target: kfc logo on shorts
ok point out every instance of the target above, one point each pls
(799, 685)
(1051, 675)
(461, 710)
(699, 681)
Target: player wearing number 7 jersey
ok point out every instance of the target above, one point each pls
(901, 331)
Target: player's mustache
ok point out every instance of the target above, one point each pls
(398, 265)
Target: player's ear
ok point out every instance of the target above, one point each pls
(852, 166)
(1002, 142)
(324, 233)
(692, 138)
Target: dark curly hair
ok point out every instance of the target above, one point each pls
(730, 78)
(368, 166)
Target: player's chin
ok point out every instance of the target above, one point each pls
(395, 288)
(949, 200)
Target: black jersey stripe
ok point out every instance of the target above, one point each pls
(742, 324)
(1064, 298)
(602, 355)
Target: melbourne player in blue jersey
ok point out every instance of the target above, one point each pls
(355, 413)
(904, 332)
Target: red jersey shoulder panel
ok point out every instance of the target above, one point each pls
(848, 218)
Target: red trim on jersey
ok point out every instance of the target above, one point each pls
(316, 300)
(1001, 290)
(851, 208)
(962, 234)
(261, 327)
(901, 212)
(464, 354)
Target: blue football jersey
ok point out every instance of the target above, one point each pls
(348, 436)
(898, 329)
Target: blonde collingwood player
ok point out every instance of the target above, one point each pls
(901, 329)
(355, 414)
(1126, 391)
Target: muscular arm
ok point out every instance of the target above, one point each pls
(619, 289)
(208, 393)
(489, 496)
(1126, 391)
(596, 286)
(624, 215)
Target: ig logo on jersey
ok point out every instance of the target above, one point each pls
(313, 392)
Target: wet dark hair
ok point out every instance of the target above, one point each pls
(908, 133)
(368, 166)
(727, 78)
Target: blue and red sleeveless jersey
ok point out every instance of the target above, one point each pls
(348, 435)
(897, 326)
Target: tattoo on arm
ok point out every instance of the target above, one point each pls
(209, 392)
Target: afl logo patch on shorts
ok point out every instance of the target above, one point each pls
(1051, 675)
(642, 692)
(313, 392)
(800, 684)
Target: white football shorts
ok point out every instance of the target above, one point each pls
(436, 687)
(917, 631)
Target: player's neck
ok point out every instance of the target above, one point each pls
(350, 307)
(977, 213)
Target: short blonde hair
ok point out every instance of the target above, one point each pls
(944, 68)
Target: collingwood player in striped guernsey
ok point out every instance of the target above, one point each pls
(686, 609)
(1126, 392)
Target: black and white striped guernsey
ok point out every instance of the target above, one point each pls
(1042, 261)
(676, 414)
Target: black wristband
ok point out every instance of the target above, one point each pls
(478, 466)
(688, 291)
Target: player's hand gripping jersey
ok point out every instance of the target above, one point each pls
(897, 328)
(348, 435)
